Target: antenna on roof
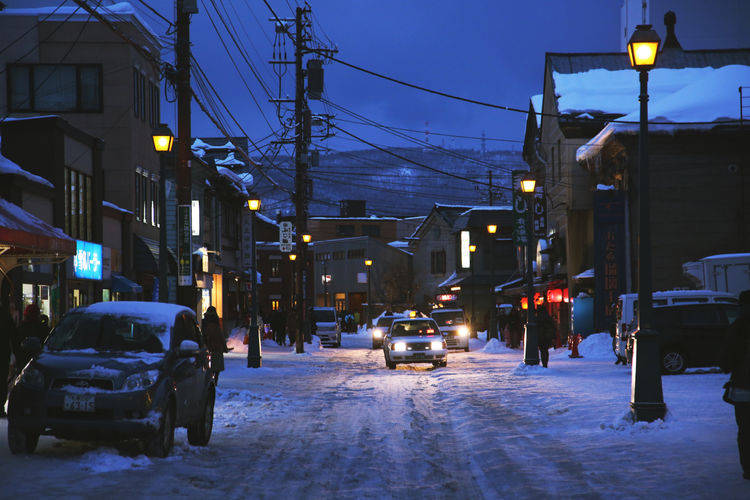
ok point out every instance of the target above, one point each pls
(670, 19)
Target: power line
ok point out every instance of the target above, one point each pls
(156, 12)
(32, 28)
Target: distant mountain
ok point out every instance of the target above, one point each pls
(392, 186)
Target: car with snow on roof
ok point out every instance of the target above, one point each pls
(414, 340)
(112, 371)
(327, 326)
(453, 326)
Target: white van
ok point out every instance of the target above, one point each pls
(327, 326)
(627, 305)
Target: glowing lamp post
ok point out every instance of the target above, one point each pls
(254, 355)
(492, 330)
(530, 341)
(646, 395)
(163, 140)
(368, 311)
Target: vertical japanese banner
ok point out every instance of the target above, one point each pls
(184, 250)
(519, 209)
(609, 255)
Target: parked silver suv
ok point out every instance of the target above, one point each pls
(327, 326)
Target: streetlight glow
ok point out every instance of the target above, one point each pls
(472, 248)
(253, 204)
(643, 47)
(368, 262)
(307, 238)
(163, 139)
(491, 228)
(292, 256)
(528, 183)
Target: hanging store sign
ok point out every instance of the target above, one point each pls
(520, 205)
(465, 252)
(184, 248)
(609, 255)
(285, 236)
(87, 262)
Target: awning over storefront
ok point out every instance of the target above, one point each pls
(146, 256)
(588, 274)
(123, 285)
(24, 236)
(509, 284)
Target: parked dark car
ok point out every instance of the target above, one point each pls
(690, 335)
(112, 371)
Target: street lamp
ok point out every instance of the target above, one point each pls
(492, 330)
(368, 311)
(472, 249)
(163, 140)
(254, 355)
(306, 238)
(646, 395)
(530, 341)
(292, 257)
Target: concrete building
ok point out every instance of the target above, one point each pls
(69, 64)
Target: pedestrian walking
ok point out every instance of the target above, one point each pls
(7, 335)
(31, 326)
(546, 335)
(736, 360)
(215, 339)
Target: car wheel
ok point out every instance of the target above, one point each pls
(444, 363)
(161, 443)
(673, 362)
(20, 441)
(199, 432)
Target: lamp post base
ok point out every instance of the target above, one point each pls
(647, 397)
(255, 361)
(530, 345)
(254, 356)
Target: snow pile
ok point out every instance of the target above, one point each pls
(238, 182)
(536, 102)
(14, 217)
(625, 423)
(230, 161)
(109, 460)
(494, 346)
(596, 346)
(310, 348)
(523, 370)
(236, 338)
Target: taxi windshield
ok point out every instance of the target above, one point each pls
(409, 328)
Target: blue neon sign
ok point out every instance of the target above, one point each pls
(87, 262)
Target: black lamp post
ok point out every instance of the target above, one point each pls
(646, 396)
(368, 311)
(531, 339)
(492, 330)
(254, 355)
(163, 141)
(472, 250)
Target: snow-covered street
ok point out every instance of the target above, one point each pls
(336, 423)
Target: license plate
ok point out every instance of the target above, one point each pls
(79, 402)
(418, 355)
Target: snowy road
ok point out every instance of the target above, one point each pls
(336, 423)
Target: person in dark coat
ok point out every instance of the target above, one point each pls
(546, 329)
(735, 359)
(31, 326)
(291, 326)
(514, 326)
(215, 340)
(7, 336)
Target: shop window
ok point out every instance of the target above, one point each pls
(356, 253)
(78, 204)
(275, 268)
(55, 88)
(340, 255)
(275, 304)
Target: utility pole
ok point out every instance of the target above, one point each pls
(185, 295)
(300, 178)
(490, 176)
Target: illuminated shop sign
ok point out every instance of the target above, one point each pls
(87, 262)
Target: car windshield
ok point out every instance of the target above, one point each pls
(385, 321)
(407, 329)
(448, 318)
(106, 332)
(324, 316)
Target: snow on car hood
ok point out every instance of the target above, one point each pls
(97, 365)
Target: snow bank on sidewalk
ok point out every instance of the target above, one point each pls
(625, 423)
(236, 336)
(494, 346)
(597, 346)
(523, 370)
(109, 460)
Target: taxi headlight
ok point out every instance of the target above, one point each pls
(463, 331)
(399, 346)
(377, 333)
(436, 345)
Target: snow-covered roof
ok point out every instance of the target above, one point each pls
(399, 244)
(705, 95)
(536, 102)
(7, 167)
(156, 313)
(71, 13)
(238, 182)
(604, 187)
(587, 274)
(724, 256)
(14, 217)
(266, 219)
(487, 208)
(118, 208)
(230, 161)
(450, 279)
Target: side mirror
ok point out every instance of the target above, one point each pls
(188, 348)
(32, 345)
